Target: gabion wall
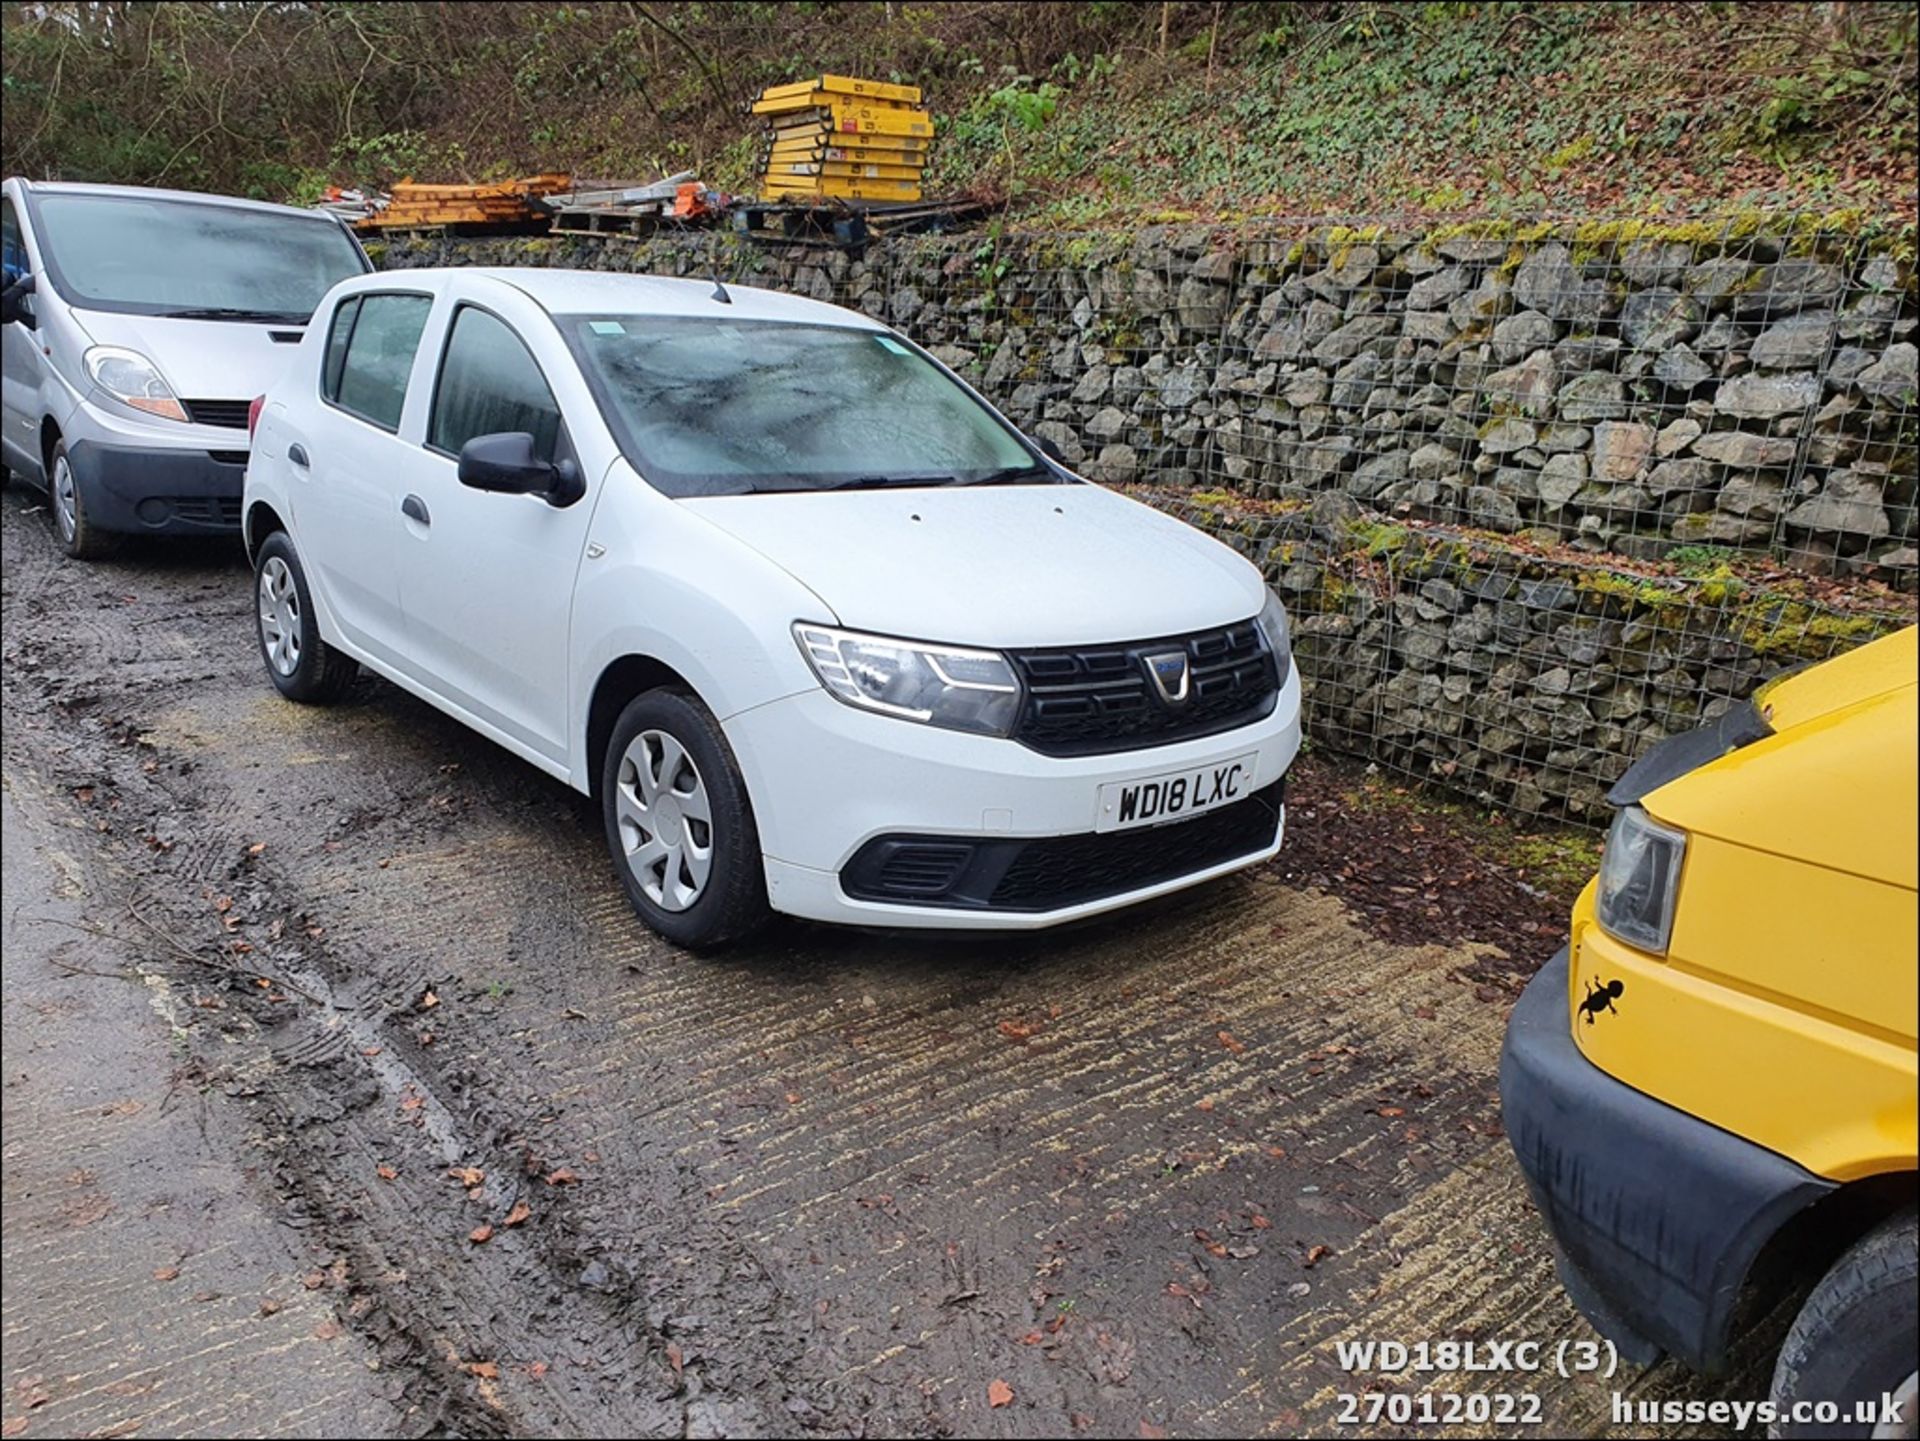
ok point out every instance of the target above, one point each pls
(1538, 495)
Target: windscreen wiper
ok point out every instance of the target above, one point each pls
(231, 312)
(882, 482)
(1010, 475)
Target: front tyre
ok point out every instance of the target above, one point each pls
(679, 824)
(73, 527)
(1855, 1339)
(301, 665)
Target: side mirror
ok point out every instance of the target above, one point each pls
(1047, 448)
(506, 464)
(14, 305)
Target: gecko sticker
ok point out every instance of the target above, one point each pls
(1601, 998)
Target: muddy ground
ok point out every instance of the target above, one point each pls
(546, 1175)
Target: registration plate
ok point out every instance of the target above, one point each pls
(1174, 794)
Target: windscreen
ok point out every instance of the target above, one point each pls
(706, 407)
(164, 257)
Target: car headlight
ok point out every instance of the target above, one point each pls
(942, 685)
(1639, 878)
(130, 378)
(1273, 625)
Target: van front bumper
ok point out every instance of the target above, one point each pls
(850, 803)
(145, 490)
(1657, 1216)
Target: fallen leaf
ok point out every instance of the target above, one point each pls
(480, 1235)
(793, 1098)
(269, 1306)
(256, 848)
(1206, 1105)
(675, 1359)
(412, 1101)
(315, 1280)
(326, 1330)
(1016, 1030)
(167, 1273)
(537, 1370)
(999, 1393)
(206, 1295)
(519, 1214)
(1315, 1254)
(386, 1172)
(370, 1050)
(1393, 1110)
(562, 1177)
(223, 904)
(485, 1370)
(1032, 1338)
(428, 1000)
(1260, 1223)
(1238, 1048)
(468, 1176)
(1151, 1432)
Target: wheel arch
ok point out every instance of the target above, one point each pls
(262, 521)
(1812, 1239)
(50, 436)
(617, 684)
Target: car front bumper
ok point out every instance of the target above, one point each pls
(155, 477)
(1656, 1215)
(827, 780)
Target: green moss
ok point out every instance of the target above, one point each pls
(1378, 537)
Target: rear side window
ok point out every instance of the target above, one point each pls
(489, 383)
(370, 352)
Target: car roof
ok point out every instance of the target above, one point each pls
(146, 192)
(600, 292)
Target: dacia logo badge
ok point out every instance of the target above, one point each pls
(1170, 675)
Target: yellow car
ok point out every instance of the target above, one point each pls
(1712, 1088)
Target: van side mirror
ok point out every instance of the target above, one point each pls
(506, 464)
(14, 305)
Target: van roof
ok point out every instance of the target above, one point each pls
(146, 192)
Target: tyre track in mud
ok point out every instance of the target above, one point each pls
(1142, 1172)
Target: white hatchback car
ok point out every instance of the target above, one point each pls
(818, 627)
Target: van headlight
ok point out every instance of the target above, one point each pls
(1273, 625)
(1639, 878)
(130, 378)
(942, 685)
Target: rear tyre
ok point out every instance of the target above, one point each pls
(301, 665)
(72, 526)
(1856, 1337)
(679, 824)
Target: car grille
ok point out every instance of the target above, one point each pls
(1098, 699)
(232, 414)
(1056, 871)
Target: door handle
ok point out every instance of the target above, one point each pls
(297, 455)
(414, 508)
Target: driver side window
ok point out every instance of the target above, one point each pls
(489, 383)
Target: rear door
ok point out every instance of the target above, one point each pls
(348, 467)
(486, 579)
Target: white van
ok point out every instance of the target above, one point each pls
(138, 325)
(819, 628)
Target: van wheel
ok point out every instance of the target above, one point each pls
(679, 824)
(71, 525)
(1856, 1337)
(301, 665)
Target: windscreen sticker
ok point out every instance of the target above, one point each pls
(889, 343)
(606, 327)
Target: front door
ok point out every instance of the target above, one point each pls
(487, 580)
